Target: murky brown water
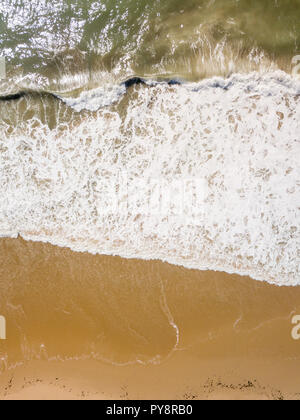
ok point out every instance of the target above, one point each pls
(58, 303)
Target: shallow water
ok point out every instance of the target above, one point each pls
(59, 304)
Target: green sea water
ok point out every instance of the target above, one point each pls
(60, 45)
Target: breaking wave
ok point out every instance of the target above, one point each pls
(204, 175)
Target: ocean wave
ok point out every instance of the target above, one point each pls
(103, 96)
(123, 180)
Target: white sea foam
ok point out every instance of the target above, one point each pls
(240, 136)
(96, 98)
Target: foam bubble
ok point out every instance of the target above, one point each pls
(94, 99)
(86, 184)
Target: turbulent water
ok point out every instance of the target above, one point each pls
(63, 45)
(154, 130)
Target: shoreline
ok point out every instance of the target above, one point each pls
(172, 261)
(178, 379)
(178, 333)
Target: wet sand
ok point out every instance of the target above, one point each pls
(82, 327)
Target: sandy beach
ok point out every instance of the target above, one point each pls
(181, 378)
